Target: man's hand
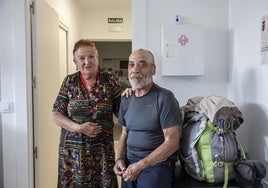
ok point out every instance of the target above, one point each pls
(132, 172)
(119, 167)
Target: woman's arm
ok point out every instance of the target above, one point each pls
(88, 128)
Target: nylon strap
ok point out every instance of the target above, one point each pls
(240, 145)
(226, 174)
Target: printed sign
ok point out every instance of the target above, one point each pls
(115, 20)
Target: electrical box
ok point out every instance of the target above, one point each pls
(182, 50)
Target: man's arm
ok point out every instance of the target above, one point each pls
(161, 153)
(120, 165)
(166, 149)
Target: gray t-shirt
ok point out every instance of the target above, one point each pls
(145, 117)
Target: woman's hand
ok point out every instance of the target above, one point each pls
(90, 129)
(127, 92)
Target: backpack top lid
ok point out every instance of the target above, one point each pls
(219, 110)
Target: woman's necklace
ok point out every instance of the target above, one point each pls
(88, 84)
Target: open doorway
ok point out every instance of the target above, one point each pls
(113, 57)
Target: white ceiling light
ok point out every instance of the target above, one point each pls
(115, 29)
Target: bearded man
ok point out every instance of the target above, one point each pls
(151, 121)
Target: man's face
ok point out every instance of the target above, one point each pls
(140, 69)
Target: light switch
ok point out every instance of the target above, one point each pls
(6, 107)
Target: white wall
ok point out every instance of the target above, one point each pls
(212, 15)
(96, 27)
(248, 78)
(15, 84)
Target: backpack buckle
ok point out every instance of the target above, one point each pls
(219, 164)
(220, 130)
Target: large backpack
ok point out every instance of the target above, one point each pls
(209, 148)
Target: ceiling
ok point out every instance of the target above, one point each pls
(105, 4)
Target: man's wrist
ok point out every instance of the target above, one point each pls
(120, 158)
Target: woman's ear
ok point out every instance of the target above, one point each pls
(75, 63)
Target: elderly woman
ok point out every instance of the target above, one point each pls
(84, 110)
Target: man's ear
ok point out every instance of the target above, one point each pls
(153, 69)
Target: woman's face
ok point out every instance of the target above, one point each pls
(86, 60)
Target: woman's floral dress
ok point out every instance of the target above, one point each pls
(86, 162)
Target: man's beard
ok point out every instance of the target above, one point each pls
(138, 81)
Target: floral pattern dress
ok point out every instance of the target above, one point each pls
(86, 162)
